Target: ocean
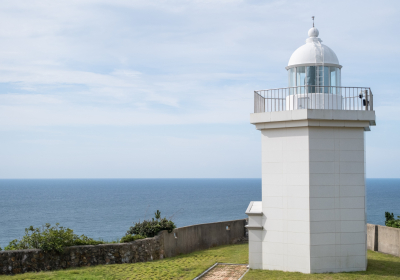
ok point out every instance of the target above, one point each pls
(106, 208)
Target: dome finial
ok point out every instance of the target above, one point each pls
(313, 32)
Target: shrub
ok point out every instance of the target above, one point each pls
(129, 238)
(149, 228)
(391, 221)
(50, 238)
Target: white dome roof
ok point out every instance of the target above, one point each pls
(313, 52)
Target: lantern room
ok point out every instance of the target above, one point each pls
(314, 64)
(314, 76)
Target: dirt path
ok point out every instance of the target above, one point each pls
(225, 272)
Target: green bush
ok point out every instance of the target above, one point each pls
(149, 228)
(130, 238)
(50, 238)
(391, 221)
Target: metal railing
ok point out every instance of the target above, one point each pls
(313, 97)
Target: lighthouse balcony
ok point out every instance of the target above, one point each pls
(313, 97)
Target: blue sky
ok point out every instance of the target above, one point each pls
(164, 89)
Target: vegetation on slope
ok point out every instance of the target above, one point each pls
(391, 221)
(150, 228)
(50, 238)
(56, 237)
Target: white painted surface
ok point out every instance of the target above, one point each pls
(255, 226)
(255, 208)
(314, 101)
(313, 199)
(337, 163)
(284, 118)
(313, 52)
(286, 243)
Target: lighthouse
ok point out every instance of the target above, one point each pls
(312, 217)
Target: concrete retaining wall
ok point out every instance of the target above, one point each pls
(200, 237)
(180, 241)
(383, 239)
(371, 237)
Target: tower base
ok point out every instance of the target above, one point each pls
(312, 216)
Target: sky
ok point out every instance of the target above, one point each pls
(164, 89)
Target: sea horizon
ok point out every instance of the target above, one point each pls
(105, 208)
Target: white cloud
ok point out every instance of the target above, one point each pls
(130, 63)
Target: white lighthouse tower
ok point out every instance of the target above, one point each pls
(312, 216)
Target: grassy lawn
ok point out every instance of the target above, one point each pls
(380, 266)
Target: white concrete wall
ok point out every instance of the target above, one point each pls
(254, 226)
(314, 101)
(313, 200)
(337, 199)
(255, 243)
(285, 199)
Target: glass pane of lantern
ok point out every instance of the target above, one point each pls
(332, 71)
(292, 79)
(310, 78)
(301, 78)
(320, 78)
(326, 79)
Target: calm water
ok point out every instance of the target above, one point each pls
(106, 208)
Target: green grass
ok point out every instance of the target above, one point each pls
(380, 266)
(180, 267)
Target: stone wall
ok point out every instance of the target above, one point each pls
(180, 241)
(383, 239)
(21, 261)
